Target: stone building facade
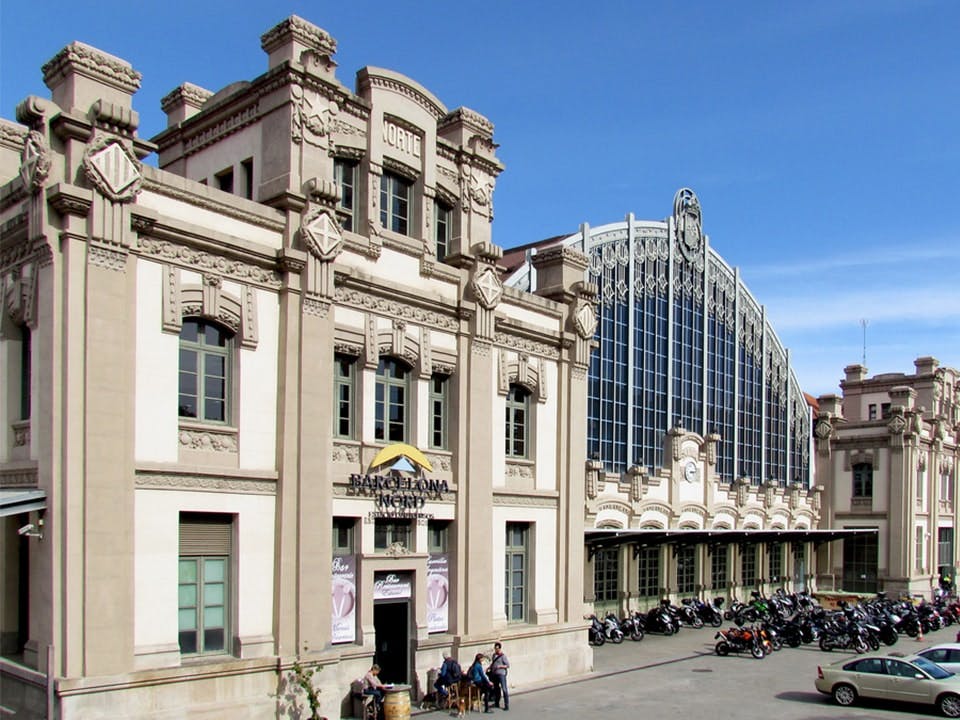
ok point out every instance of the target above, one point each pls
(272, 399)
(887, 454)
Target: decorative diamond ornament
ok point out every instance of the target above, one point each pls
(585, 320)
(111, 167)
(487, 287)
(321, 235)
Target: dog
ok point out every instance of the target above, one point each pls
(461, 707)
(429, 702)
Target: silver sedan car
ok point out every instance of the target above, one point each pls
(910, 678)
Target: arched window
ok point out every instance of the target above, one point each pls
(392, 401)
(517, 421)
(206, 355)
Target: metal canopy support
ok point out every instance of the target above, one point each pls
(597, 538)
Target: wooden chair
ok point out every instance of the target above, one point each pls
(473, 695)
(453, 696)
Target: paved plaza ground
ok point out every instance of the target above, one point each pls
(682, 677)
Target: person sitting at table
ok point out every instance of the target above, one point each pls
(449, 674)
(373, 686)
(478, 677)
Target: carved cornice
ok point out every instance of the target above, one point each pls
(210, 134)
(154, 185)
(200, 260)
(196, 481)
(523, 344)
(186, 94)
(394, 308)
(525, 500)
(379, 81)
(83, 59)
(19, 477)
(305, 33)
(12, 136)
(70, 199)
(468, 117)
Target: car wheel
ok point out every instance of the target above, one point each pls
(844, 694)
(949, 705)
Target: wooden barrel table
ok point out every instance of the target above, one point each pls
(396, 703)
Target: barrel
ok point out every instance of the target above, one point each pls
(396, 704)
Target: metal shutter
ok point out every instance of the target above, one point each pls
(205, 534)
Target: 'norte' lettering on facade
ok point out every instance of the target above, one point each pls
(401, 139)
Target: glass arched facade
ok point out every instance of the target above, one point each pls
(681, 342)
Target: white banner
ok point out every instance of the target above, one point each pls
(343, 599)
(438, 592)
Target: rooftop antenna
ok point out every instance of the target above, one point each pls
(863, 326)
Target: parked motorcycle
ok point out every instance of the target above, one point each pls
(688, 613)
(632, 626)
(597, 636)
(739, 640)
(611, 628)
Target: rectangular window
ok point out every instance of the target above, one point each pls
(686, 569)
(246, 170)
(718, 568)
(438, 411)
(945, 550)
(946, 486)
(345, 177)
(872, 411)
(775, 561)
(517, 419)
(444, 217)
(438, 536)
(225, 180)
(919, 549)
(391, 532)
(606, 575)
(204, 583)
(863, 480)
(885, 411)
(344, 395)
(390, 403)
(648, 572)
(343, 535)
(396, 203)
(26, 359)
(515, 585)
(748, 566)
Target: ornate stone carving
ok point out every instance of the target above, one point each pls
(19, 478)
(208, 439)
(21, 433)
(585, 319)
(516, 500)
(523, 344)
(34, 162)
(311, 119)
(108, 258)
(345, 453)
(897, 425)
(186, 481)
(316, 307)
(397, 549)
(321, 235)
(393, 308)
(441, 463)
(112, 169)
(521, 471)
(200, 260)
(91, 62)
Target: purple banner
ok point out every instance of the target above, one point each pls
(343, 600)
(438, 593)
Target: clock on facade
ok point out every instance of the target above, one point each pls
(690, 471)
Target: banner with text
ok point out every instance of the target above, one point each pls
(438, 592)
(343, 590)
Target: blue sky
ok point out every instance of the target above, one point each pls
(819, 136)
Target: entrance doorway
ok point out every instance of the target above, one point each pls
(391, 624)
